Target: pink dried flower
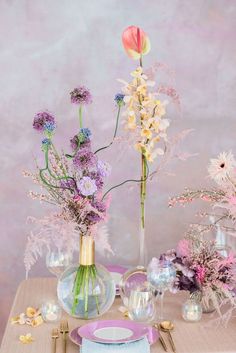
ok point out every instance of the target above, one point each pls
(200, 271)
(183, 248)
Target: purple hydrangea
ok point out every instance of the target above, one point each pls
(81, 95)
(42, 120)
(104, 168)
(84, 159)
(87, 186)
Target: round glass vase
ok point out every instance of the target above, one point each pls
(86, 291)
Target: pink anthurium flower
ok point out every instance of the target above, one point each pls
(135, 42)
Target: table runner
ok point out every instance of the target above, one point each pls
(189, 337)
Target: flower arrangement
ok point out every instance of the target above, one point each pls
(222, 198)
(203, 271)
(144, 114)
(73, 182)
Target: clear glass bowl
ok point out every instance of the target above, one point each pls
(101, 293)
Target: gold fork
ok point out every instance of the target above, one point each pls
(64, 329)
(55, 335)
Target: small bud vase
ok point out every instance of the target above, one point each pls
(87, 290)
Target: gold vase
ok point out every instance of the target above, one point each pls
(87, 250)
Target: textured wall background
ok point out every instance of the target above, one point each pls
(49, 47)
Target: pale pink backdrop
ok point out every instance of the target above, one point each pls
(49, 47)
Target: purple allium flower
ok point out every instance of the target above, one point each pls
(87, 186)
(81, 95)
(119, 98)
(104, 168)
(41, 119)
(84, 159)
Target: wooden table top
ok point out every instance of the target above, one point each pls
(188, 337)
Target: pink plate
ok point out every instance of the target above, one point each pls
(152, 336)
(116, 331)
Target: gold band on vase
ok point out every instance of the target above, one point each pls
(87, 250)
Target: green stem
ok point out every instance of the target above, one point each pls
(86, 291)
(94, 275)
(115, 133)
(143, 190)
(128, 181)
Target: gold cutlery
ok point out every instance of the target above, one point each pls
(161, 338)
(55, 336)
(167, 326)
(64, 329)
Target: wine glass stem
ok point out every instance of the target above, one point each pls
(161, 312)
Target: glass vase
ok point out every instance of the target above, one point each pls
(87, 290)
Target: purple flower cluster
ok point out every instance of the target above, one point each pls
(185, 277)
(81, 95)
(44, 121)
(84, 159)
(99, 212)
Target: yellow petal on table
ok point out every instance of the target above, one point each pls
(15, 319)
(37, 321)
(26, 338)
(30, 311)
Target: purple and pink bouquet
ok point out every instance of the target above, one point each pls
(74, 183)
(203, 271)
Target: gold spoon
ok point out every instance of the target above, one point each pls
(161, 338)
(168, 326)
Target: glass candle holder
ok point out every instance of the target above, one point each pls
(51, 311)
(141, 305)
(192, 311)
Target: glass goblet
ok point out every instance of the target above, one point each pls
(161, 275)
(58, 260)
(141, 305)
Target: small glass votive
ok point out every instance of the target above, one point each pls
(192, 310)
(141, 305)
(51, 311)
